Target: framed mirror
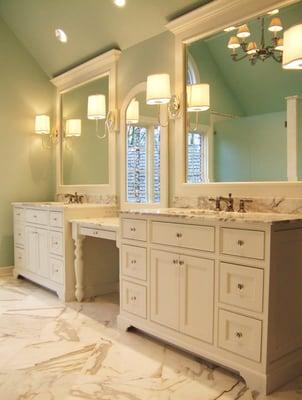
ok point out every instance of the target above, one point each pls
(144, 137)
(87, 122)
(247, 137)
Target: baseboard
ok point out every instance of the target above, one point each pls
(6, 271)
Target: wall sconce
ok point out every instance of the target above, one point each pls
(198, 99)
(132, 113)
(97, 110)
(292, 48)
(73, 127)
(42, 127)
(159, 92)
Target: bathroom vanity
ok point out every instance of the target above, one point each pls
(44, 250)
(225, 286)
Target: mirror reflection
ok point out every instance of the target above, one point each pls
(143, 137)
(84, 137)
(237, 94)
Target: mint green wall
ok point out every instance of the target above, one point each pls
(27, 172)
(85, 158)
(250, 149)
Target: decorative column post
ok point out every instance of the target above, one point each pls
(78, 261)
(294, 116)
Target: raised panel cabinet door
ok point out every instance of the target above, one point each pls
(42, 267)
(31, 249)
(197, 297)
(164, 282)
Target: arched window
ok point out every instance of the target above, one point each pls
(192, 71)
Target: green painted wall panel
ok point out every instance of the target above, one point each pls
(26, 169)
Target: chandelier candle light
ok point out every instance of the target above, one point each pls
(251, 50)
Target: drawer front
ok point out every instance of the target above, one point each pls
(18, 214)
(56, 270)
(243, 243)
(134, 262)
(36, 216)
(19, 234)
(134, 299)
(56, 219)
(56, 243)
(240, 335)
(99, 233)
(19, 257)
(134, 229)
(241, 286)
(182, 235)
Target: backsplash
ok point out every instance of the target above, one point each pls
(93, 198)
(275, 205)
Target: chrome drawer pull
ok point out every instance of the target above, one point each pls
(133, 298)
(35, 216)
(238, 335)
(175, 261)
(95, 232)
(240, 242)
(56, 270)
(240, 286)
(133, 261)
(181, 262)
(132, 229)
(179, 235)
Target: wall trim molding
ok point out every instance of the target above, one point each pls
(6, 271)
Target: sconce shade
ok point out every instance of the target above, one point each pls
(275, 25)
(42, 125)
(73, 127)
(96, 107)
(233, 43)
(243, 32)
(158, 89)
(292, 48)
(132, 114)
(198, 97)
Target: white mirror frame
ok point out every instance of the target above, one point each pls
(164, 159)
(188, 28)
(103, 65)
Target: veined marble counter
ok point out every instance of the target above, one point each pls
(107, 223)
(219, 216)
(53, 205)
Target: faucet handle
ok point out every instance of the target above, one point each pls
(242, 203)
(217, 202)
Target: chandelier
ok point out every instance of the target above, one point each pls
(250, 49)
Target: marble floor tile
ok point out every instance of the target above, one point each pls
(55, 351)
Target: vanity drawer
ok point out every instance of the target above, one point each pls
(56, 243)
(18, 214)
(240, 335)
(134, 229)
(241, 286)
(134, 299)
(19, 257)
(36, 216)
(56, 219)
(182, 235)
(56, 270)
(243, 243)
(134, 262)
(19, 234)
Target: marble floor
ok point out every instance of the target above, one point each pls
(55, 351)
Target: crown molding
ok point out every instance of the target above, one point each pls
(86, 71)
(218, 11)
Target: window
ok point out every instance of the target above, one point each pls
(143, 163)
(196, 157)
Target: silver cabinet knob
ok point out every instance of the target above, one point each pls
(240, 286)
(133, 261)
(179, 235)
(181, 262)
(175, 261)
(238, 334)
(240, 242)
(132, 229)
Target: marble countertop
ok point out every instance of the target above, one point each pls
(60, 205)
(220, 216)
(107, 223)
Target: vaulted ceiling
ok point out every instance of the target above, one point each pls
(92, 26)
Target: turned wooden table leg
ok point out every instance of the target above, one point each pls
(78, 267)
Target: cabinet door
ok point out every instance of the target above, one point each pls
(165, 288)
(197, 297)
(31, 249)
(42, 266)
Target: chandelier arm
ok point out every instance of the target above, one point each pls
(235, 58)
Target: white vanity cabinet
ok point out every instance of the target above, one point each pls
(44, 251)
(225, 289)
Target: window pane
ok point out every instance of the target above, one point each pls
(136, 164)
(195, 157)
(156, 165)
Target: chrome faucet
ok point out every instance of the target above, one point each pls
(229, 202)
(217, 202)
(242, 203)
